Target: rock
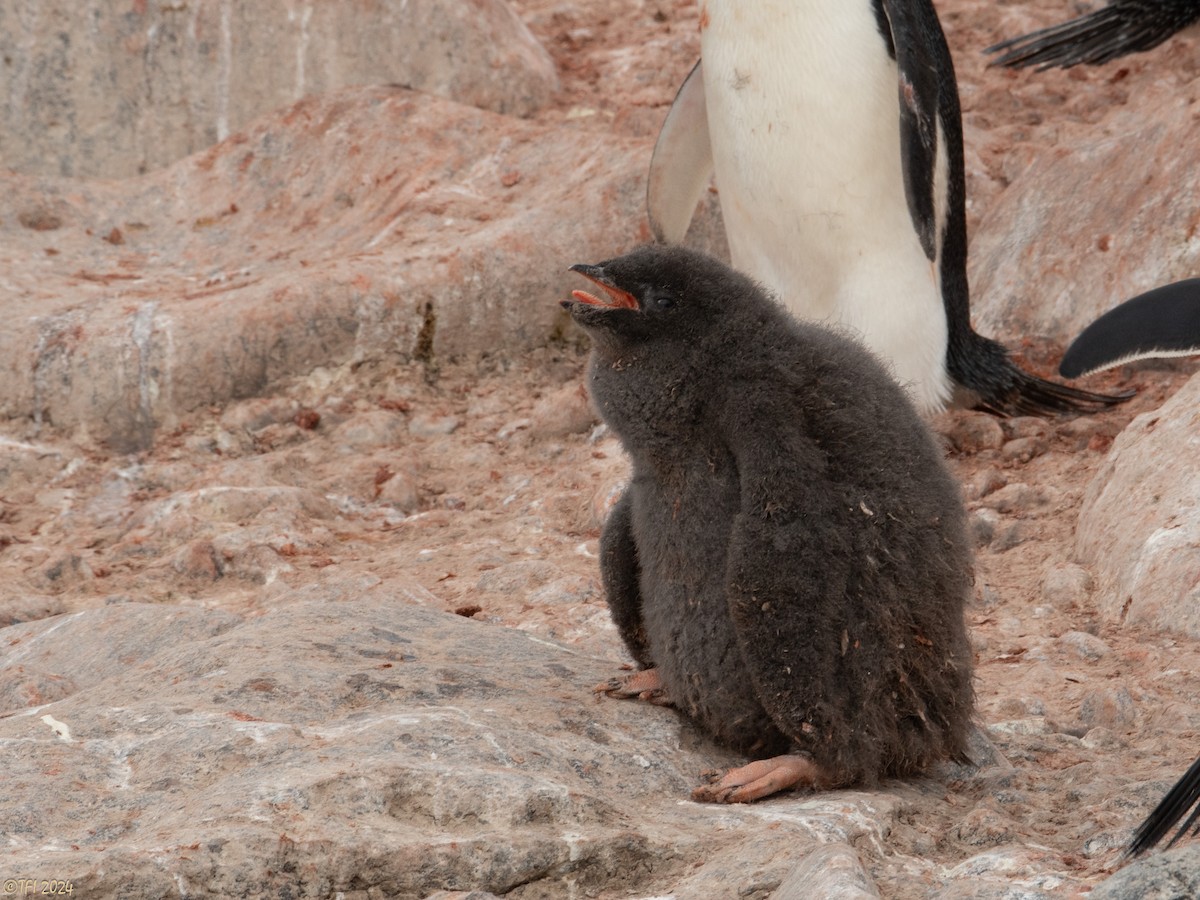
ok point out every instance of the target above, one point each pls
(1012, 534)
(399, 489)
(370, 745)
(23, 464)
(986, 481)
(101, 93)
(28, 608)
(567, 410)
(1052, 254)
(299, 244)
(1084, 645)
(972, 432)
(983, 525)
(1022, 450)
(1022, 427)
(1066, 586)
(372, 430)
(1008, 873)
(1111, 708)
(258, 413)
(518, 577)
(1139, 526)
(429, 425)
(1018, 498)
(831, 872)
(983, 827)
(1160, 876)
(1101, 738)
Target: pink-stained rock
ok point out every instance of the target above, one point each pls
(1092, 222)
(1139, 528)
(364, 747)
(109, 90)
(365, 225)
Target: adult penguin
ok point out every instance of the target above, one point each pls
(834, 131)
(1120, 28)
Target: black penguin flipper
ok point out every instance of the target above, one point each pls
(1174, 806)
(999, 386)
(619, 571)
(912, 46)
(1159, 323)
(1121, 28)
(779, 598)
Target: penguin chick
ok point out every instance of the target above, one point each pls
(790, 556)
(1174, 806)
(1161, 322)
(1105, 34)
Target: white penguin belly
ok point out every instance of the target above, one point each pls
(803, 117)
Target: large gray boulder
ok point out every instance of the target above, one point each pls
(1139, 528)
(366, 747)
(1092, 222)
(107, 90)
(362, 225)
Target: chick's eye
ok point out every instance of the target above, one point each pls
(660, 300)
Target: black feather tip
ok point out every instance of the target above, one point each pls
(1116, 30)
(1184, 796)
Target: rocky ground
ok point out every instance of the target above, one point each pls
(477, 486)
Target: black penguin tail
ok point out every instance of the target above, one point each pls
(1098, 37)
(1173, 807)
(1002, 388)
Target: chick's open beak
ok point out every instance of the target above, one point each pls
(615, 299)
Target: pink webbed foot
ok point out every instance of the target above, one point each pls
(759, 779)
(644, 685)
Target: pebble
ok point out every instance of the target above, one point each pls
(1108, 707)
(518, 577)
(370, 431)
(985, 482)
(1084, 645)
(198, 560)
(1024, 427)
(400, 491)
(1066, 586)
(1017, 498)
(567, 410)
(1082, 428)
(427, 426)
(511, 428)
(1022, 450)
(257, 413)
(1101, 738)
(974, 432)
(982, 526)
(1012, 534)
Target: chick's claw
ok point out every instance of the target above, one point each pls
(759, 779)
(644, 685)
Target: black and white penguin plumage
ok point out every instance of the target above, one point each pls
(1118, 29)
(789, 563)
(834, 132)
(1162, 322)
(1182, 798)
